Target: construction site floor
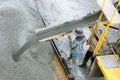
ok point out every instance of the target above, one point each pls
(59, 73)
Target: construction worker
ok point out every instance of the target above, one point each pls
(76, 46)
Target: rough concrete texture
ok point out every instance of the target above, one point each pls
(60, 11)
(18, 21)
(88, 14)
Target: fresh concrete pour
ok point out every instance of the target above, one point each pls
(68, 24)
(84, 16)
(18, 21)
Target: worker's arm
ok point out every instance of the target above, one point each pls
(72, 44)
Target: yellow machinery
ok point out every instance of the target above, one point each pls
(108, 64)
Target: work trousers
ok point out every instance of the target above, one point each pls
(88, 56)
(75, 64)
(75, 61)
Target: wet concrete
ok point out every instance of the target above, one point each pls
(87, 16)
(18, 21)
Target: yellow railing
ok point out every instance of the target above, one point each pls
(106, 29)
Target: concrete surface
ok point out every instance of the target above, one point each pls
(87, 17)
(18, 21)
(60, 11)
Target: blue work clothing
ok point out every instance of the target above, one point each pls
(76, 51)
(76, 47)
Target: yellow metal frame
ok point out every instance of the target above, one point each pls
(110, 73)
(106, 29)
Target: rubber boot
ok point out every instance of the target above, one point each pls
(84, 63)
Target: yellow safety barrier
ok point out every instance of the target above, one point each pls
(112, 73)
(106, 29)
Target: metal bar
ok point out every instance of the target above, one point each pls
(105, 31)
(112, 27)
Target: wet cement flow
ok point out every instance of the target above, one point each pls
(18, 21)
(87, 9)
(50, 14)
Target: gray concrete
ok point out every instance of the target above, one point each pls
(86, 17)
(50, 31)
(18, 21)
(59, 11)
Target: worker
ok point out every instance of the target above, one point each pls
(76, 46)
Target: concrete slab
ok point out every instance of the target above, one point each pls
(18, 21)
